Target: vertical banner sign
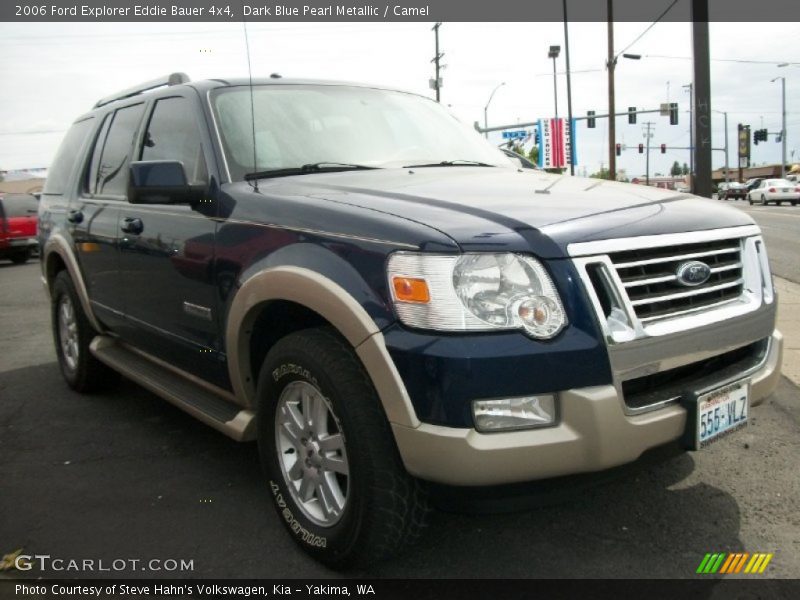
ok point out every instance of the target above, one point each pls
(556, 146)
(744, 146)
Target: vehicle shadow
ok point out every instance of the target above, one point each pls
(125, 474)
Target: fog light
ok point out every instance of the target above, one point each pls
(514, 413)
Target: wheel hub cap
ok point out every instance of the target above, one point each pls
(311, 453)
(68, 332)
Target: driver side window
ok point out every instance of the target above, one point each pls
(172, 134)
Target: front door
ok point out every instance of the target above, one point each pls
(167, 252)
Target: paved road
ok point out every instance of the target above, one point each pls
(781, 227)
(126, 475)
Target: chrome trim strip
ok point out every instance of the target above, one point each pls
(655, 241)
(663, 259)
(665, 278)
(691, 310)
(695, 292)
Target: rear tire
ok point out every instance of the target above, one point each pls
(350, 502)
(72, 334)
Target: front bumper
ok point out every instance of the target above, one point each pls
(594, 433)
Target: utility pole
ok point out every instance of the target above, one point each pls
(727, 164)
(610, 64)
(701, 79)
(648, 135)
(569, 94)
(437, 83)
(783, 125)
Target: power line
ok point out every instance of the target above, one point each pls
(733, 60)
(649, 27)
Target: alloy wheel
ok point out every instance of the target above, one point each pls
(311, 453)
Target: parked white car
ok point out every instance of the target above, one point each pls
(774, 190)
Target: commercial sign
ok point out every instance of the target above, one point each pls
(744, 146)
(515, 135)
(556, 145)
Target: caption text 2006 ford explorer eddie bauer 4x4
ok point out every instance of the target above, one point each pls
(381, 299)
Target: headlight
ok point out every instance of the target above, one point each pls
(475, 292)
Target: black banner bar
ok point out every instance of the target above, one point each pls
(416, 589)
(387, 10)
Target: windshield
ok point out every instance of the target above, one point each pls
(298, 125)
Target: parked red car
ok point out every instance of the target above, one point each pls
(18, 225)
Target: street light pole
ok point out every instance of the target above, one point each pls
(569, 93)
(727, 164)
(553, 53)
(689, 86)
(610, 64)
(486, 110)
(783, 125)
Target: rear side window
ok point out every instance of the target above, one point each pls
(67, 157)
(18, 205)
(173, 134)
(108, 174)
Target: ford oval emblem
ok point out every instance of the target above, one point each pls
(693, 273)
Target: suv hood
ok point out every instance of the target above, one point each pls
(482, 207)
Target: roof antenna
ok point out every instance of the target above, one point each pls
(252, 104)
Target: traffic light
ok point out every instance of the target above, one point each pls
(663, 148)
(619, 149)
(590, 122)
(673, 113)
(641, 148)
(760, 135)
(631, 115)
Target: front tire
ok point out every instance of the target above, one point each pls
(72, 334)
(334, 472)
(763, 200)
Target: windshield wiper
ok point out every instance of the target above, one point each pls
(319, 167)
(459, 162)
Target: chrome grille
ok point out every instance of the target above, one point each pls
(654, 290)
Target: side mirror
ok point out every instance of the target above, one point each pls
(162, 182)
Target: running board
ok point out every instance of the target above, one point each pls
(212, 407)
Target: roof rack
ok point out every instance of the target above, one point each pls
(171, 79)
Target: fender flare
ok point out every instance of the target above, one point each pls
(57, 244)
(328, 299)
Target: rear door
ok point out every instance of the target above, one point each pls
(94, 215)
(167, 250)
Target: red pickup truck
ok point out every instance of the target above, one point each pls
(18, 224)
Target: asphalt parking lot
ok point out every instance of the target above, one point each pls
(126, 475)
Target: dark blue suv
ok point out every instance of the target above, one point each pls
(382, 300)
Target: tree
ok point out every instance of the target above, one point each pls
(676, 169)
(685, 169)
(533, 154)
(601, 174)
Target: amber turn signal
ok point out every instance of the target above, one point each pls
(408, 289)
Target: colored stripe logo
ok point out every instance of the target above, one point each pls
(735, 562)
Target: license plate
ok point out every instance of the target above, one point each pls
(721, 412)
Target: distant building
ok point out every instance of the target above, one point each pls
(766, 171)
